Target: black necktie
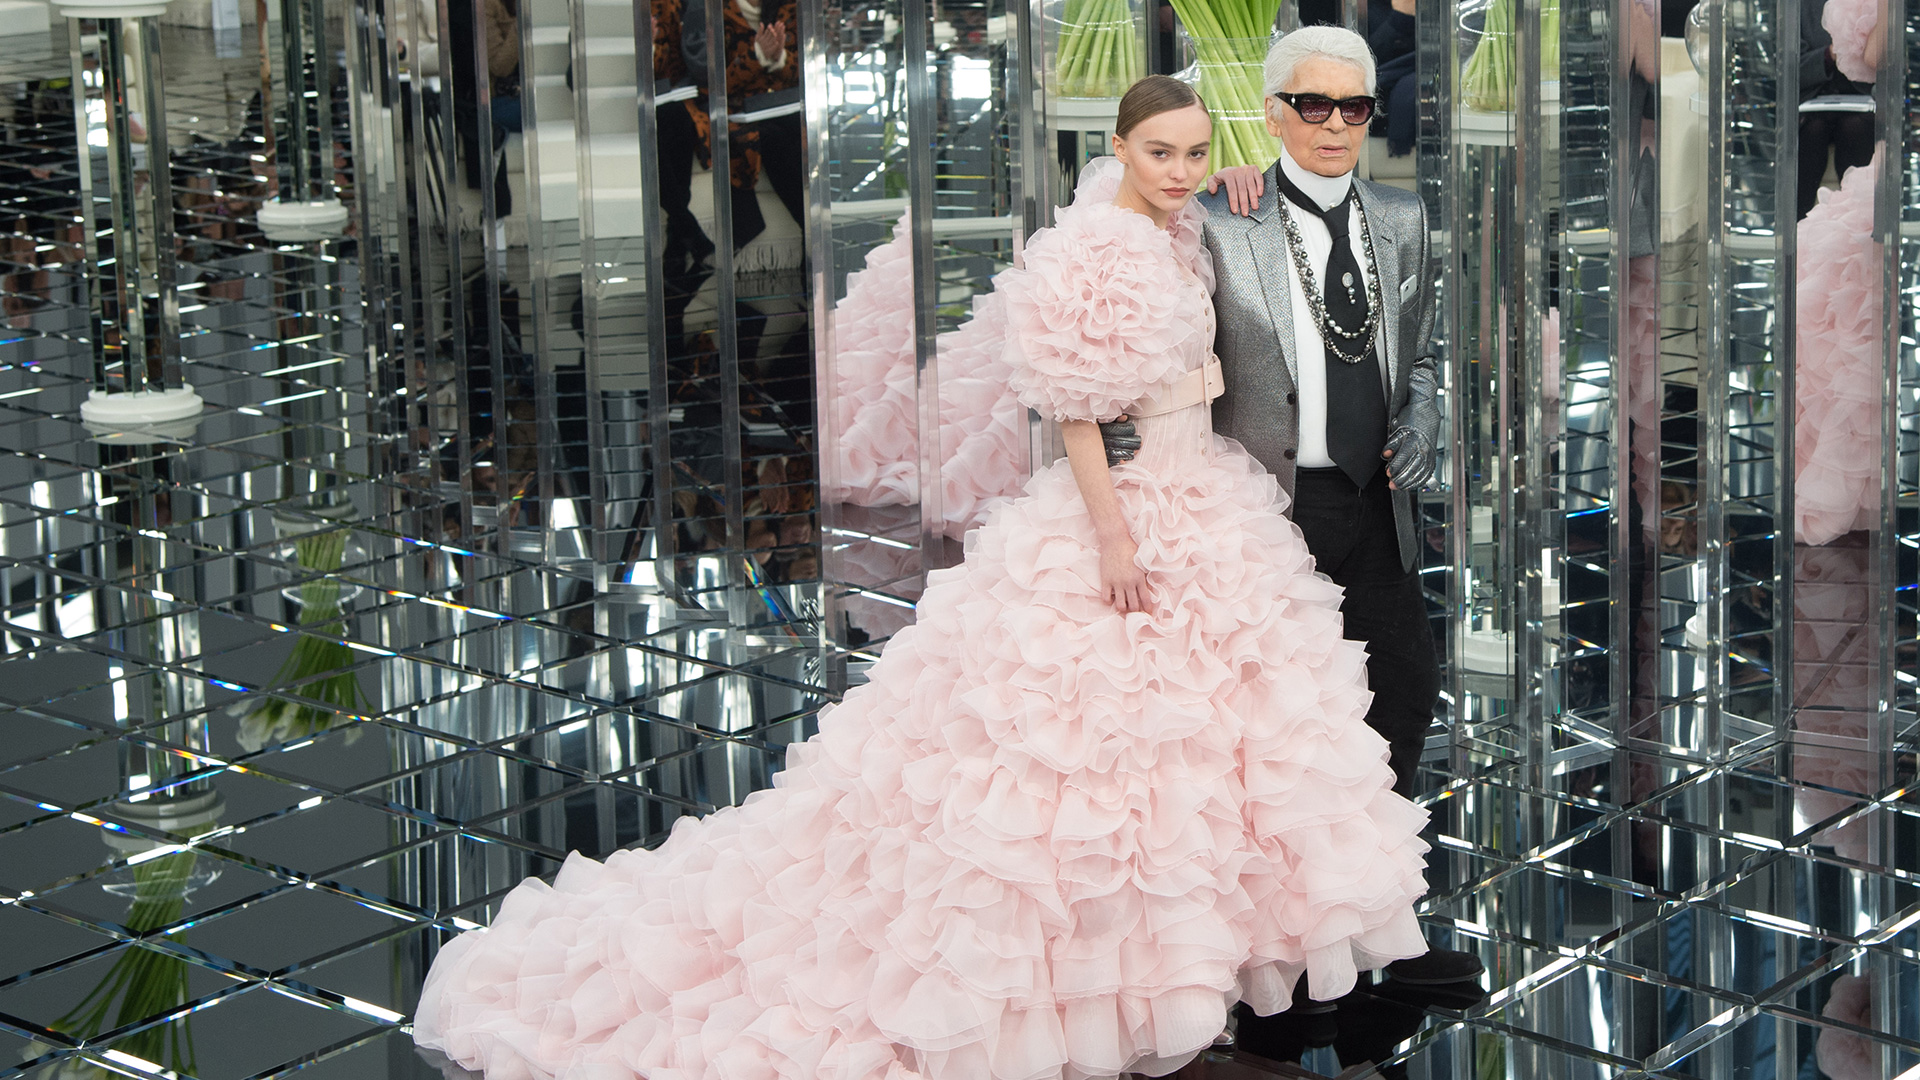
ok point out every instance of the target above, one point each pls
(1356, 404)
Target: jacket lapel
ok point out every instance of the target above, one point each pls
(1272, 258)
(1386, 253)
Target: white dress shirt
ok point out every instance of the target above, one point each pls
(1310, 350)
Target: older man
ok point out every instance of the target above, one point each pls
(1325, 310)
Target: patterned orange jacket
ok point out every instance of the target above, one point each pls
(746, 76)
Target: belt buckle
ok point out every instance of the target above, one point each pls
(1215, 378)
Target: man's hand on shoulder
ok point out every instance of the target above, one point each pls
(1120, 439)
(1245, 185)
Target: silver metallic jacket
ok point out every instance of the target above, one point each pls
(1255, 339)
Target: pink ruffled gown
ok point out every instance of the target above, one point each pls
(1046, 839)
(875, 453)
(1840, 323)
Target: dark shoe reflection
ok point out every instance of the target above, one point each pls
(1363, 1028)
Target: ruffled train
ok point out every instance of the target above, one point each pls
(1046, 840)
(1838, 363)
(874, 456)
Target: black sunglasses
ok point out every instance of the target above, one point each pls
(1315, 108)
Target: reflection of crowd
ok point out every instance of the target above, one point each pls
(43, 190)
(498, 31)
(761, 46)
(219, 183)
(1390, 34)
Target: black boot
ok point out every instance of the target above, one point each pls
(688, 247)
(1437, 967)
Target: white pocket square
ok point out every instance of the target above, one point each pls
(1408, 286)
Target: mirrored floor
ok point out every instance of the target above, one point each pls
(269, 734)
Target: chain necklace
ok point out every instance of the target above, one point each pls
(1351, 346)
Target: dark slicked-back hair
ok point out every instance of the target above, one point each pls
(1150, 97)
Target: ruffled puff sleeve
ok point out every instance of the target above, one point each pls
(1850, 23)
(1096, 313)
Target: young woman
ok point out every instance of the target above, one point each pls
(1114, 779)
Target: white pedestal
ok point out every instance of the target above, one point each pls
(299, 519)
(1085, 114)
(206, 15)
(293, 223)
(110, 9)
(141, 408)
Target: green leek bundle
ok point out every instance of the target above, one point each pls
(1099, 51)
(1487, 81)
(1230, 39)
(145, 983)
(320, 666)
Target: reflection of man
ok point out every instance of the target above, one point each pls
(1331, 383)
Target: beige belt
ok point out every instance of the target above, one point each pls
(1196, 387)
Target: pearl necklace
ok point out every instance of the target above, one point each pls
(1336, 337)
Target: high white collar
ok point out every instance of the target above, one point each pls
(1327, 191)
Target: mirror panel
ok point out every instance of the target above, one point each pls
(866, 338)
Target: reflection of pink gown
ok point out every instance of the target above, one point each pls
(1045, 839)
(875, 455)
(1833, 647)
(1837, 369)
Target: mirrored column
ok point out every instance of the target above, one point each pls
(938, 169)
(126, 198)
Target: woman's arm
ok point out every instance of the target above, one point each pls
(1877, 41)
(1121, 579)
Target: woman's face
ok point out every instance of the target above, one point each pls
(1166, 156)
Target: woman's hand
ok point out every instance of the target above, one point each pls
(1244, 183)
(772, 42)
(1121, 580)
(1122, 583)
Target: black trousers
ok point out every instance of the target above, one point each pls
(782, 152)
(679, 140)
(1849, 137)
(1400, 94)
(1352, 537)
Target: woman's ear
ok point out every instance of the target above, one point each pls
(1119, 148)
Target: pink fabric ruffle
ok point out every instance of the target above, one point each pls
(875, 455)
(1851, 23)
(1098, 311)
(874, 458)
(881, 580)
(1046, 840)
(1837, 370)
(1847, 1055)
(875, 452)
(1833, 652)
(983, 426)
(1100, 183)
